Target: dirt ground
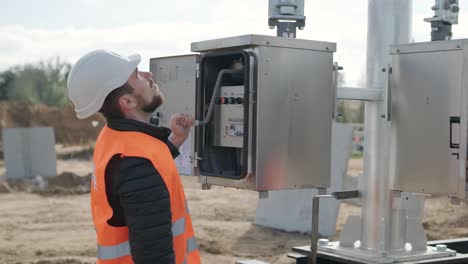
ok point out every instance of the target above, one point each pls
(56, 228)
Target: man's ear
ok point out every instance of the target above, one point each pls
(127, 102)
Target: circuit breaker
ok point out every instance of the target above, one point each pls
(264, 105)
(229, 117)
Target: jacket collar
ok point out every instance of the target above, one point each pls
(124, 124)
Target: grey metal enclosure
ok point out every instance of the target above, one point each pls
(269, 124)
(428, 91)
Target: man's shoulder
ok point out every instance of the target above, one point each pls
(138, 171)
(121, 162)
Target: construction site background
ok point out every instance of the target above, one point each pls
(68, 129)
(48, 221)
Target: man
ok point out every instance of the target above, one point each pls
(137, 199)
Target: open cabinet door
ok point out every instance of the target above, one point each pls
(177, 78)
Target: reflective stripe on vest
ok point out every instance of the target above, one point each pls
(123, 249)
(178, 227)
(191, 245)
(113, 252)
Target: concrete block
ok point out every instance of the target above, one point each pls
(29, 152)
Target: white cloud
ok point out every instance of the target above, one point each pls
(344, 22)
(20, 45)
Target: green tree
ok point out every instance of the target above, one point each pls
(6, 79)
(44, 83)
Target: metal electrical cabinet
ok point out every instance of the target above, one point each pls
(269, 127)
(428, 90)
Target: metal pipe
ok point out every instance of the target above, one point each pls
(314, 231)
(315, 218)
(388, 23)
(213, 96)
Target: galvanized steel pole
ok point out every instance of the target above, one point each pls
(389, 22)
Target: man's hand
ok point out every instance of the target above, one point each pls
(180, 126)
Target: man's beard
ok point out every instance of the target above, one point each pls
(157, 100)
(150, 107)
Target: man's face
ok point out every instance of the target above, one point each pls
(146, 92)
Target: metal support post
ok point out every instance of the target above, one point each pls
(388, 23)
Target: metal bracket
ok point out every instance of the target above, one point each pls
(286, 15)
(415, 234)
(387, 111)
(343, 195)
(286, 29)
(361, 94)
(445, 15)
(351, 231)
(336, 68)
(389, 93)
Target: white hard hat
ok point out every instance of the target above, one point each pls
(95, 76)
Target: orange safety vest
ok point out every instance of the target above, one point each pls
(113, 244)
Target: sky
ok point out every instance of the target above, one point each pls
(35, 30)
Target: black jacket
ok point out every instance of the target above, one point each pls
(139, 198)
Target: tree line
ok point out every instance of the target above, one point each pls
(40, 83)
(45, 83)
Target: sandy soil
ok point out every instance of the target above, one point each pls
(57, 228)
